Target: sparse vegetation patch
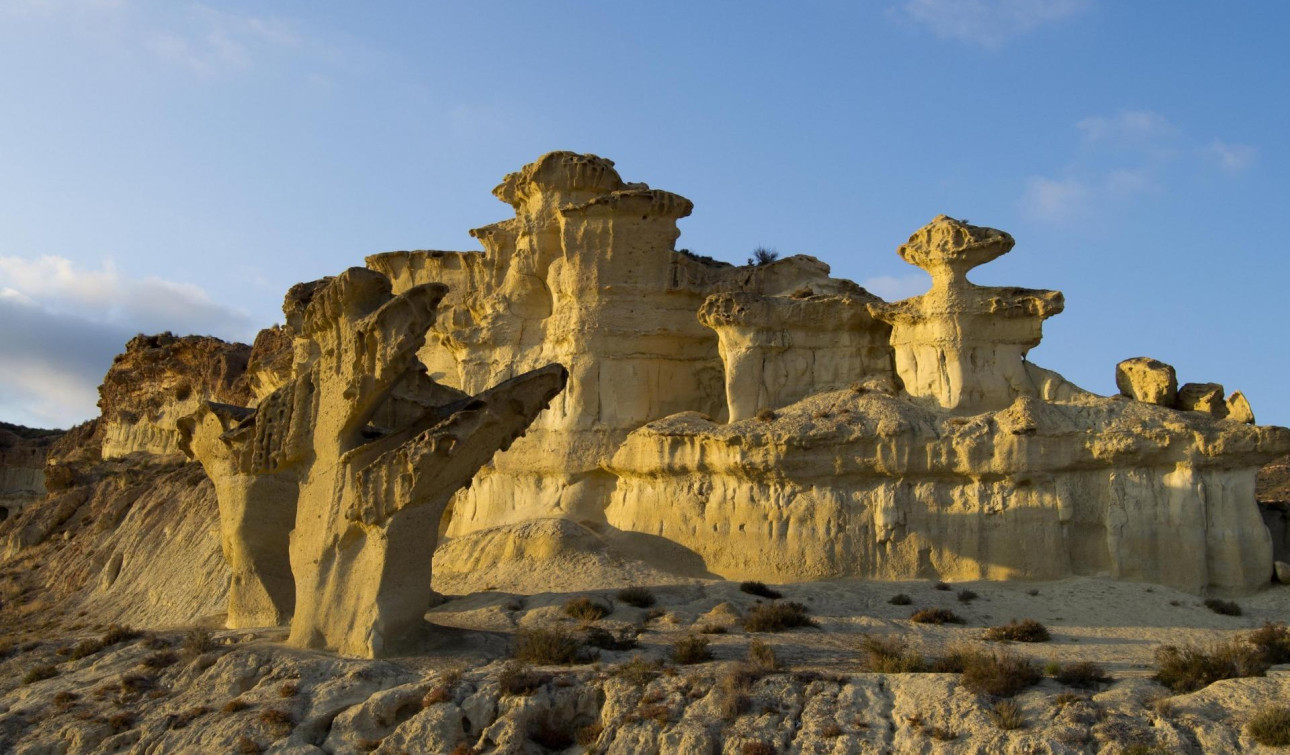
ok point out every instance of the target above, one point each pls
(777, 617)
(1026, 630)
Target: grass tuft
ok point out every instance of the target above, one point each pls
(548, 645)
(1006, 715)
(638, 597)
(1081, 675)
(1270, 726)
(586, 609)
(1189, 668)
(1026, 630)
(777, 617)
(999, 674)
(936, 616)
(1224, 607)
(900, 599)
(692, 648)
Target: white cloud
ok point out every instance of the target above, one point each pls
(897, 287)
(1231, 158)
(1055, 200)
(1128, 128)
(63, 324)
(989, 23)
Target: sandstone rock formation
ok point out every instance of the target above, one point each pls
(1202, 397)
(1149, 380)
(351, 461)
(23, 451)
(157, 380)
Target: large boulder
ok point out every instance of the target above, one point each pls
(1206, 398)
(1148, 380)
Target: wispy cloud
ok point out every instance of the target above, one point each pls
(210, 42)
(1120, 158)
(64, 323)
(897, 287)
(989, 23)
(1231, 158)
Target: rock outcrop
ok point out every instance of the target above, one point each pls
(1147, 379)
(157, 380)
(23, 451)
(351, 463)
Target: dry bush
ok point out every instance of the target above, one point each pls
(765, 415)
(1270, 726)
(638, 597)
(967, 596)
(1081, 674)
(198, 640)
(889, 655)
(1189, 668)
(160, 660)
(713, 629)
(280, 721)
(757, 748)
(942, 734)
(121, 720)
(760, 590)
(777, 617)
(247, 746)
(548, 645)
(762, 656)
(936, 616)
(999, 674)
(1006, 715)
(1224, 607)
(942, 586)
(597, 637)
(586, 609)
(638, 670)
(692, 648)
(85, 648)
(187, 717)
(587, 735)
(235, 705)
(1272, 642)
(118, 633)
(1026, 630)
(516, 678)
(731, 691)
(39, 673)
(900, 599)
(64, 700)
(440, 693)
(288, 689)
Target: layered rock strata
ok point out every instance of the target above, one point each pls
(358, 453)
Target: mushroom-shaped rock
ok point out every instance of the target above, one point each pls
(1238, 408)
(1206, 398)
(962, 345)
(1148, 380)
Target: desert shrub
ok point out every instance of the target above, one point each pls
(1082, 675)
(1026, 630)
(639, 597)
(765, 415)
(65, 699)
(440, 693)
(247, 746)
(198, 640)
(1189, 668)
(1270, 726)
(288, 689)
(757, 747)
(956, 658)
(121, 720)
(998, 674)
(38, 673)
(85, 648)
(586, 609)
(967, 596)
(160, 660)
(547, 645)
(1272, 642)
(889, 655)
(942, 586)
(235, 705)
(133, 684)
(1006, 715)
(900, 599)
(731, 692)
(763, 256)
(1032, 592)
(936, 616)
(597, 637)
(942, 734)
(762, 656)
(187, 717)
(587, 735)
(516, 678)
(1061, 700)
(638, 671)
(278, 720)
(692, 648)
(760, 590)
(713, 629)
(1224, 607)
(118, 633)
(777, 617)
(551, 735)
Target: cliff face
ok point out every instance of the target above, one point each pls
(22, 465)
(157, 380)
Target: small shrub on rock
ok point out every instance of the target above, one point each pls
(777, 617)
(692, 648)
(118, 633)
(39, 673)
(1270, 726)
(1273, 643)
(1026, 630)
(758, 747)
(597, 637)
(900, 599)
(638, 597)
(235, 705)
(247, 746)
(638, 671)
(1224, 607)
(889, 655)
(160, 660)
(198, 640)
(760, 590)
(943, 586)
(762, 656)
(548, 645)
(1081, 675)
(1189, 668)
(1006, 715)
(586, 609)
(998, 674)
(967, 596)
(936, 616)
(278, 720)
(516, 678)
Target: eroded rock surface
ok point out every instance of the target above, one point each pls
(1147, 379)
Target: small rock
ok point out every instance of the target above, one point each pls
(1238, 408)
(1206, 398)
(1148, 380)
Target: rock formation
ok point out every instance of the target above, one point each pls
(351, 461)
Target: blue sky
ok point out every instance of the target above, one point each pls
(177, 165)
